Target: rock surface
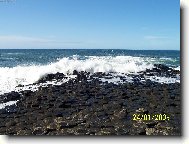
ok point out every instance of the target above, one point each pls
(86, 106)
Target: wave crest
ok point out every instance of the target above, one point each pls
(24, 75)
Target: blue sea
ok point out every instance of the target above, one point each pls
(26, 66)
(16, 57)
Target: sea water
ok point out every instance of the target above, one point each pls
(26, 66)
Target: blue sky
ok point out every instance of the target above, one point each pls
(123, 24)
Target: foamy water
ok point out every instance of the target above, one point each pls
(24, 75)
(3, 105)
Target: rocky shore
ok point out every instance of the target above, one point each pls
(87, 105)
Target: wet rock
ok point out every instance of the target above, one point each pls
(24, 132)
(39, 131)
(82, 107)
(51, 127)
(142, 110)
(151, 124)
(121, 114)
(139, 128)
(150, 131)
(50, 77)
(10, 123)
(67, 124)
(12, 96)
(105, 131)
(75, 72)
(10, 109)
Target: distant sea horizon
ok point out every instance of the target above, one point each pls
(90, 49)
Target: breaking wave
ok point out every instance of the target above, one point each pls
(28, 74)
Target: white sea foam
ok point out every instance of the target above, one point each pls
(165, 58)
(3, 105)
(166, 80)
(25, 75)
(116, 79)
(177, 68)
(34, 87)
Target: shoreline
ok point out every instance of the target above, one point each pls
(87, 106)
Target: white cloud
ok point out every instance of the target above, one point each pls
(11, 38)
(13, 41)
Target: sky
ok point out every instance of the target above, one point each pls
(88, 24)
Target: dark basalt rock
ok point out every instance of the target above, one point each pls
(39, 131)
(12, 96)
(69, 124)
(151, 124)
(10, 123)
(162, 67)
(11, 109)
(87, 106)
(50, 77)
(75, 72)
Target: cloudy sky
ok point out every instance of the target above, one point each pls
(123, 24)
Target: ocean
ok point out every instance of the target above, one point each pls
(26, 66)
